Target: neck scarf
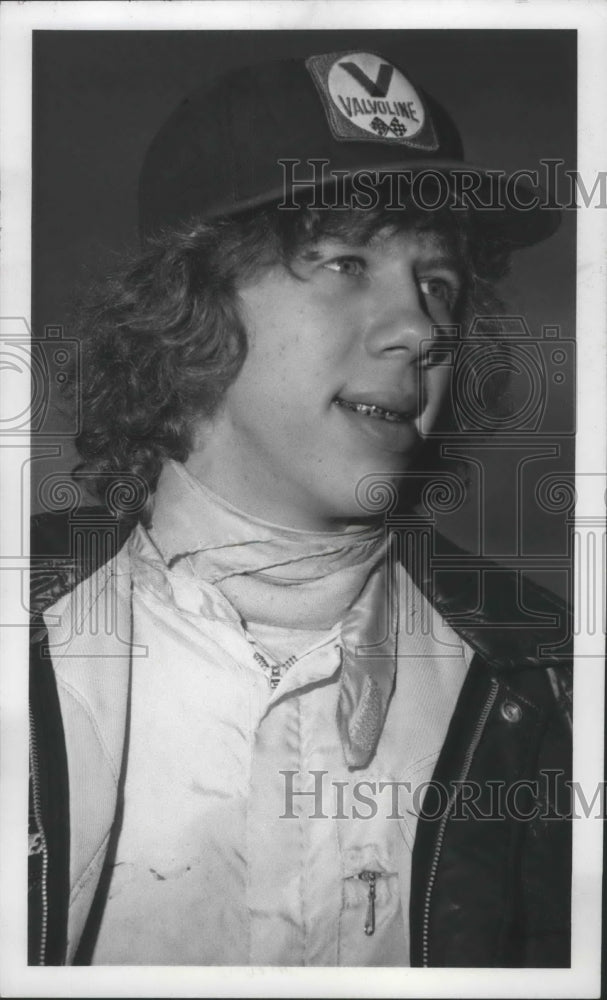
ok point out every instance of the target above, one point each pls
(293, 579)
(271, 574)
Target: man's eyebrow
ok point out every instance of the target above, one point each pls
(327, 245)
(448, 261)
(309, 254)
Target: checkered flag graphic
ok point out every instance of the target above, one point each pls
(379, 126)
(397, 128)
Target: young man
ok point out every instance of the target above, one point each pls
(264, 730)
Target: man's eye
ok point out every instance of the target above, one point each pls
(439, 288)
(351, 266)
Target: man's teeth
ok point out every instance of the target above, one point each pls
(370, 410)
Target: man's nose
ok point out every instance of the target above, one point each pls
(400, 324)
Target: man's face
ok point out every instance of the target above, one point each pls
(336, 383)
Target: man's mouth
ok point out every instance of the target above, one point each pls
(373, 411)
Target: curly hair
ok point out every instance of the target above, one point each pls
(162, 338)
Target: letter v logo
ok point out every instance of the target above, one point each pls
(374, 88)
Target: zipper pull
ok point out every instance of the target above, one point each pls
(370, 878)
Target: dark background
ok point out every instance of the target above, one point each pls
(99, 97)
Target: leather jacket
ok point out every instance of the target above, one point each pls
(491, 873)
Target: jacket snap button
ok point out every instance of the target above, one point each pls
(511, 712)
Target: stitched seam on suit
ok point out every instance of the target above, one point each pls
(84, 878)
(77, 696)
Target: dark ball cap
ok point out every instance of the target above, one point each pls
(259, 134)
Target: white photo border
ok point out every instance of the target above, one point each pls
(17, 23)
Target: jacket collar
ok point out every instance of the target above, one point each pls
(506, 618)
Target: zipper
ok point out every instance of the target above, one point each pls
(275, 671)
(371, 879)
(38, 817)
(478, 731)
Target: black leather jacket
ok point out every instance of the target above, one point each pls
(491, 876)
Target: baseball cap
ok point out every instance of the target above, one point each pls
(268, 133)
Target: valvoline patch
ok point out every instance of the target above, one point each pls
(366, 98)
